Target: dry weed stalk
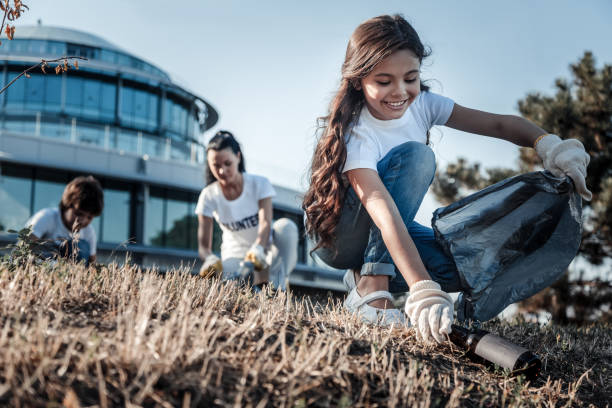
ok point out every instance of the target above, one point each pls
(118, 335)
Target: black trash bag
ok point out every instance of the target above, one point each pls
(510, 240)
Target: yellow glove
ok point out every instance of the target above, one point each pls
(211, 267)
(257, 255)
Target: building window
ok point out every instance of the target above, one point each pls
(193, 232)
(53, 93)
(154, 219)
(15, 197)
(15, 94)
(38, 93)
(80, 50)
(74, 95)
(47, 194)
(178, 224)
(56, 49)
(122, 59)
(179, 148)
(90, 98)
(107, 100)
(175, 117)
(115, 218)
(154, 146)
(54, 130)
(170, 220)
(139, 108)
(91, 134)
(108, 56)
(34, 92)
(20, 126)
(113, 225)
(37, 47)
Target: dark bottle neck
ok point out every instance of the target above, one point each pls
(466, 338)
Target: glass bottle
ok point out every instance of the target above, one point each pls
(481, 345)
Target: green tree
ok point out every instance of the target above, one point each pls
(581, 108)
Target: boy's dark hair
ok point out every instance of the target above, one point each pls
(85, 194)
(221, 140)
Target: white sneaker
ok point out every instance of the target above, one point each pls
(373, 315)
(349, 280)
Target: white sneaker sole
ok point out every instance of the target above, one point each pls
(357, 304)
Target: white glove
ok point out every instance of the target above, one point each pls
(565, 157)
(211, 267)
(257, 255)
(430, 310)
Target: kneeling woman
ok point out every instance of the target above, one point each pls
(241, 203)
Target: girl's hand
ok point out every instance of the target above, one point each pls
(565, 157)
(211, 267)
(430, 310)
(257, 255)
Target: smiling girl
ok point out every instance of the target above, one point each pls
(372, 167)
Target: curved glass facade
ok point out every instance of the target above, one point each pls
(55, 49)
(114, 100)
(104, 111)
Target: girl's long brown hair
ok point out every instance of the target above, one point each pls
(372, 41)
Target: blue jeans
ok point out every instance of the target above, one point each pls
(407, 172)
(78, 250)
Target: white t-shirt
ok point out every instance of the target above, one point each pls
(47, 224)
(237, 218)
(371, 139)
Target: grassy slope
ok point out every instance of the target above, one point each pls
(115, 336)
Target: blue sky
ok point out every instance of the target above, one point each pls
(271, 67)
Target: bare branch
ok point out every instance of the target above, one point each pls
(42, 63)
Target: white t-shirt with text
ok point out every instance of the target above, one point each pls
(370, 139)
(237, 218)
(47, 225)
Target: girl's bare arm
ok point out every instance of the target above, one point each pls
(512, 128)
(383, 211)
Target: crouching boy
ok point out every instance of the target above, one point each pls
(68, 226)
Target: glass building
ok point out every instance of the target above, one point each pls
(126, 122)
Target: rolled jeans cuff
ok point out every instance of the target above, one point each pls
(378, 268)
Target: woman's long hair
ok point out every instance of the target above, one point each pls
(372, 42)
(221, 140)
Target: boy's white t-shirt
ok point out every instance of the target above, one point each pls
(47, 225)
(238, 219)
(371, 139)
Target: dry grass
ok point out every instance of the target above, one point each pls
(118, 336)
